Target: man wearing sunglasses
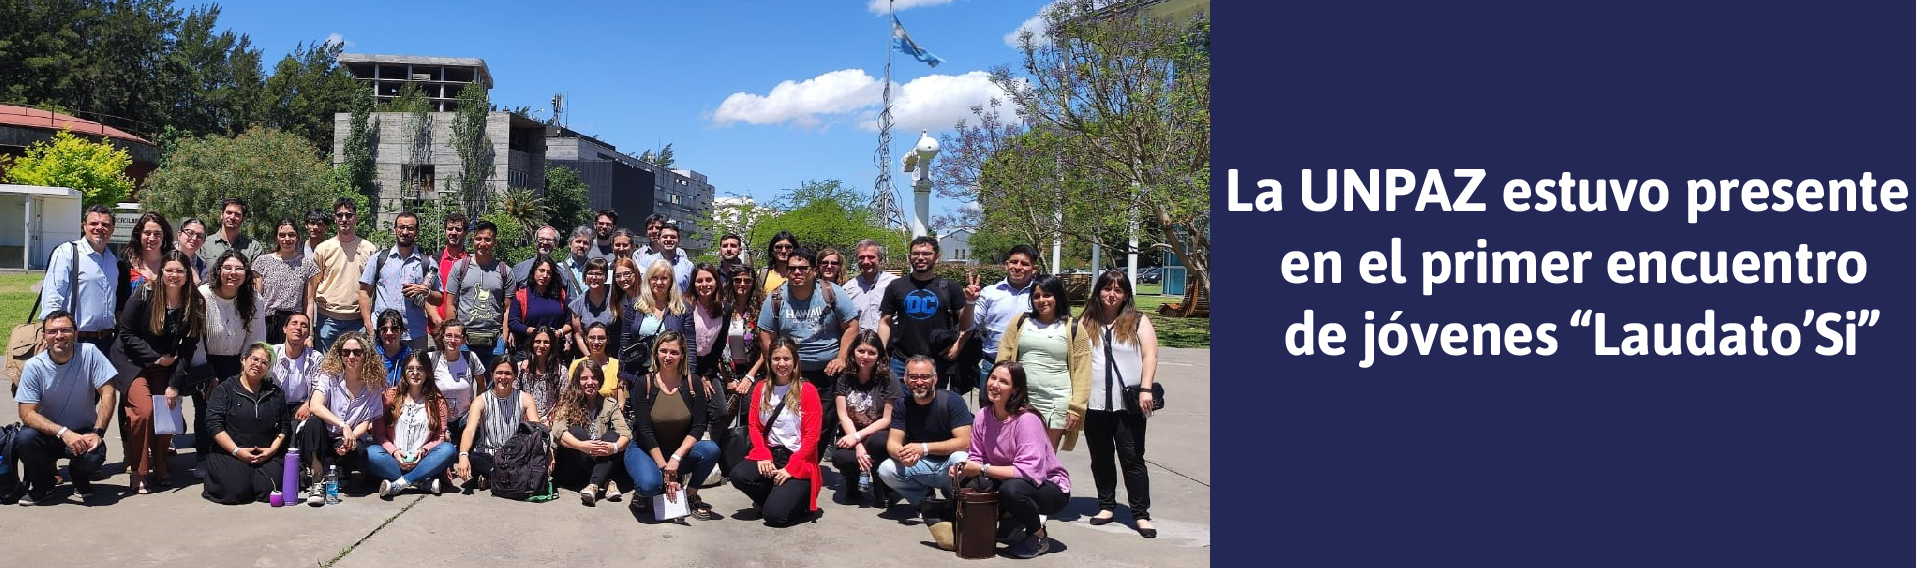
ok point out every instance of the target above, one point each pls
(342, 260)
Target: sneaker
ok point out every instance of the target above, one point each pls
(1030, 547)
(393, 488)
(41, 501)
(434, 486)
(83, 494)
(316, 495)
(386, 489)
(612, 494)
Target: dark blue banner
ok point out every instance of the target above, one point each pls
(1749, 401)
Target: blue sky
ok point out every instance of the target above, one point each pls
(757, 95)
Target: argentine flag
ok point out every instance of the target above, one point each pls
(904, 44)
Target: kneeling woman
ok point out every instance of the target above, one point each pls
(1011, 452)
(249, 421)
(494, 417)
(590, 430)
(670, 413)
(785, 419)
(410, 446)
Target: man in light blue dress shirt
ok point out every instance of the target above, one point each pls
(94, 301)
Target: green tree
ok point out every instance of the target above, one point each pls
(474, 147)
(307, 87)
(662, 158)
(277, 173)
(212, 78)
(1111, 131)
(824, 213)
(513, 244)
(567, 198)
(96, 169)
(361, 139)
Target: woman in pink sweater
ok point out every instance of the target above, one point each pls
(1011, 452)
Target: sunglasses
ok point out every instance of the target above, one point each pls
(352, 352)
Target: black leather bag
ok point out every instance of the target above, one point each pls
(1131, 398)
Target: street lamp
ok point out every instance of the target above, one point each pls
(918, 163)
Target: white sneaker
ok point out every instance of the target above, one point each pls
(435, 486)
(316, 495)
(393, 488)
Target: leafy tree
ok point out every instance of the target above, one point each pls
(475, 151)
(212, 78)
(824, 213)
(663, 158)
(513, 245)
(278, 173)
(567, 199)
(307, 87)
(1111, 131)
(95, 168)
(361, 139)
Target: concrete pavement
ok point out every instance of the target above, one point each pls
(178, 528)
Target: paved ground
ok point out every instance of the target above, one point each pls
(181, 529)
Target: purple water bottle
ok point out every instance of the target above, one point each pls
(290, 485)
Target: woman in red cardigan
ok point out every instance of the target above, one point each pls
(785, 420)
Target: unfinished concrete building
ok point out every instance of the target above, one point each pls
(636, 189)
(415, 158)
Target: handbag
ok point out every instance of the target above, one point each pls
(1129, 394)
(25, 340)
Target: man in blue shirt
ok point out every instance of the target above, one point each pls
(66, 398)
(92, 302)
(820, 319)
(400, 278)
(999, 303)
(666, 243)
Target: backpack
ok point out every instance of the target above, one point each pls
(831, 305)
(520, 470)
(10, 486)
(429, 267)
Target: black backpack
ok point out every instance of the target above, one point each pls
(9, 475)
(519, 472)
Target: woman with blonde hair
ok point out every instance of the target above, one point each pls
(671, 411)
(659, 308)
(347, 403)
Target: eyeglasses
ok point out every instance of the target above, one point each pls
(781, 247)
(923, 377)
(260, 360)
(799, 268)
(352, 352)
(193, 234)
(830, 263)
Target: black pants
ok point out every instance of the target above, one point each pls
(846, 461)
(1104, 431)
(230, 481)
(316, 441)
(823, 383)
(481, 462)
(1023, 501)
(39, 459)
(779, 504)
(224, 367)
(597, 469)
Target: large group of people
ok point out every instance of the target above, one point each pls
(643, 369)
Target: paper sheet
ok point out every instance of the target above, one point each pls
(167, 421)
(668, 510)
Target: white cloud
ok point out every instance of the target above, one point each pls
(804, 103)
(878, 6)
(935, 102)
(932, 102)
(1034, 24)
(336, 39)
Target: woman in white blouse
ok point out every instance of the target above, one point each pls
(234, 320)
(410, 448)
(453, 371)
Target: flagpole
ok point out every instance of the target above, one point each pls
(884, 201)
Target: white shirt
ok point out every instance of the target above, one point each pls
(454, 379)
(413, 429)
(294, 375)
(784, 432)
(227, 332)
(1130, 370)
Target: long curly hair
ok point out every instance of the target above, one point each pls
(792, 395)
(576, 403)
(243, 298)
(372, 373)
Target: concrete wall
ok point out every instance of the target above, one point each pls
(393, 138)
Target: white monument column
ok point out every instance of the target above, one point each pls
(918, 163)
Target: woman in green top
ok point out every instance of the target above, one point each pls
(1057, 361)
(669, 414)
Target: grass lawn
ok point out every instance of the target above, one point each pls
(16, 296)
(1173, 332)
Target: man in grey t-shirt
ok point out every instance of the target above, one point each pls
(65, 400)
(480, 283)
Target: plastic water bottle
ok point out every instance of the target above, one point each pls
(332, 485)
(865, 481)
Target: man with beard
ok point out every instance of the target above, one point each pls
(730, 247)
(545, 244)
(999, 303)
(233, 213)
(477, 289)
(337, 305)
(602, 226)
(926, 315)
(66, 399)
(401, 278)
(665, 243)
(867, 290)
(930, 430)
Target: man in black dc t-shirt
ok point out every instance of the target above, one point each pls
(930, 429)
(924, 314)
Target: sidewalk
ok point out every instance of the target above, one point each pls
(181, 529)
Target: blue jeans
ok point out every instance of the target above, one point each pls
(39, 455)
(931, 472)
(328, 329)
(382, 464)
(693, 468)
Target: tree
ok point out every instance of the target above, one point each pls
(307, 87)
(94, 168)
(567, 199)
(361, 139)
(663, 158)
(736, 215)
(475, 151)
(278, 173)
(824, 213)
(1112, 132)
